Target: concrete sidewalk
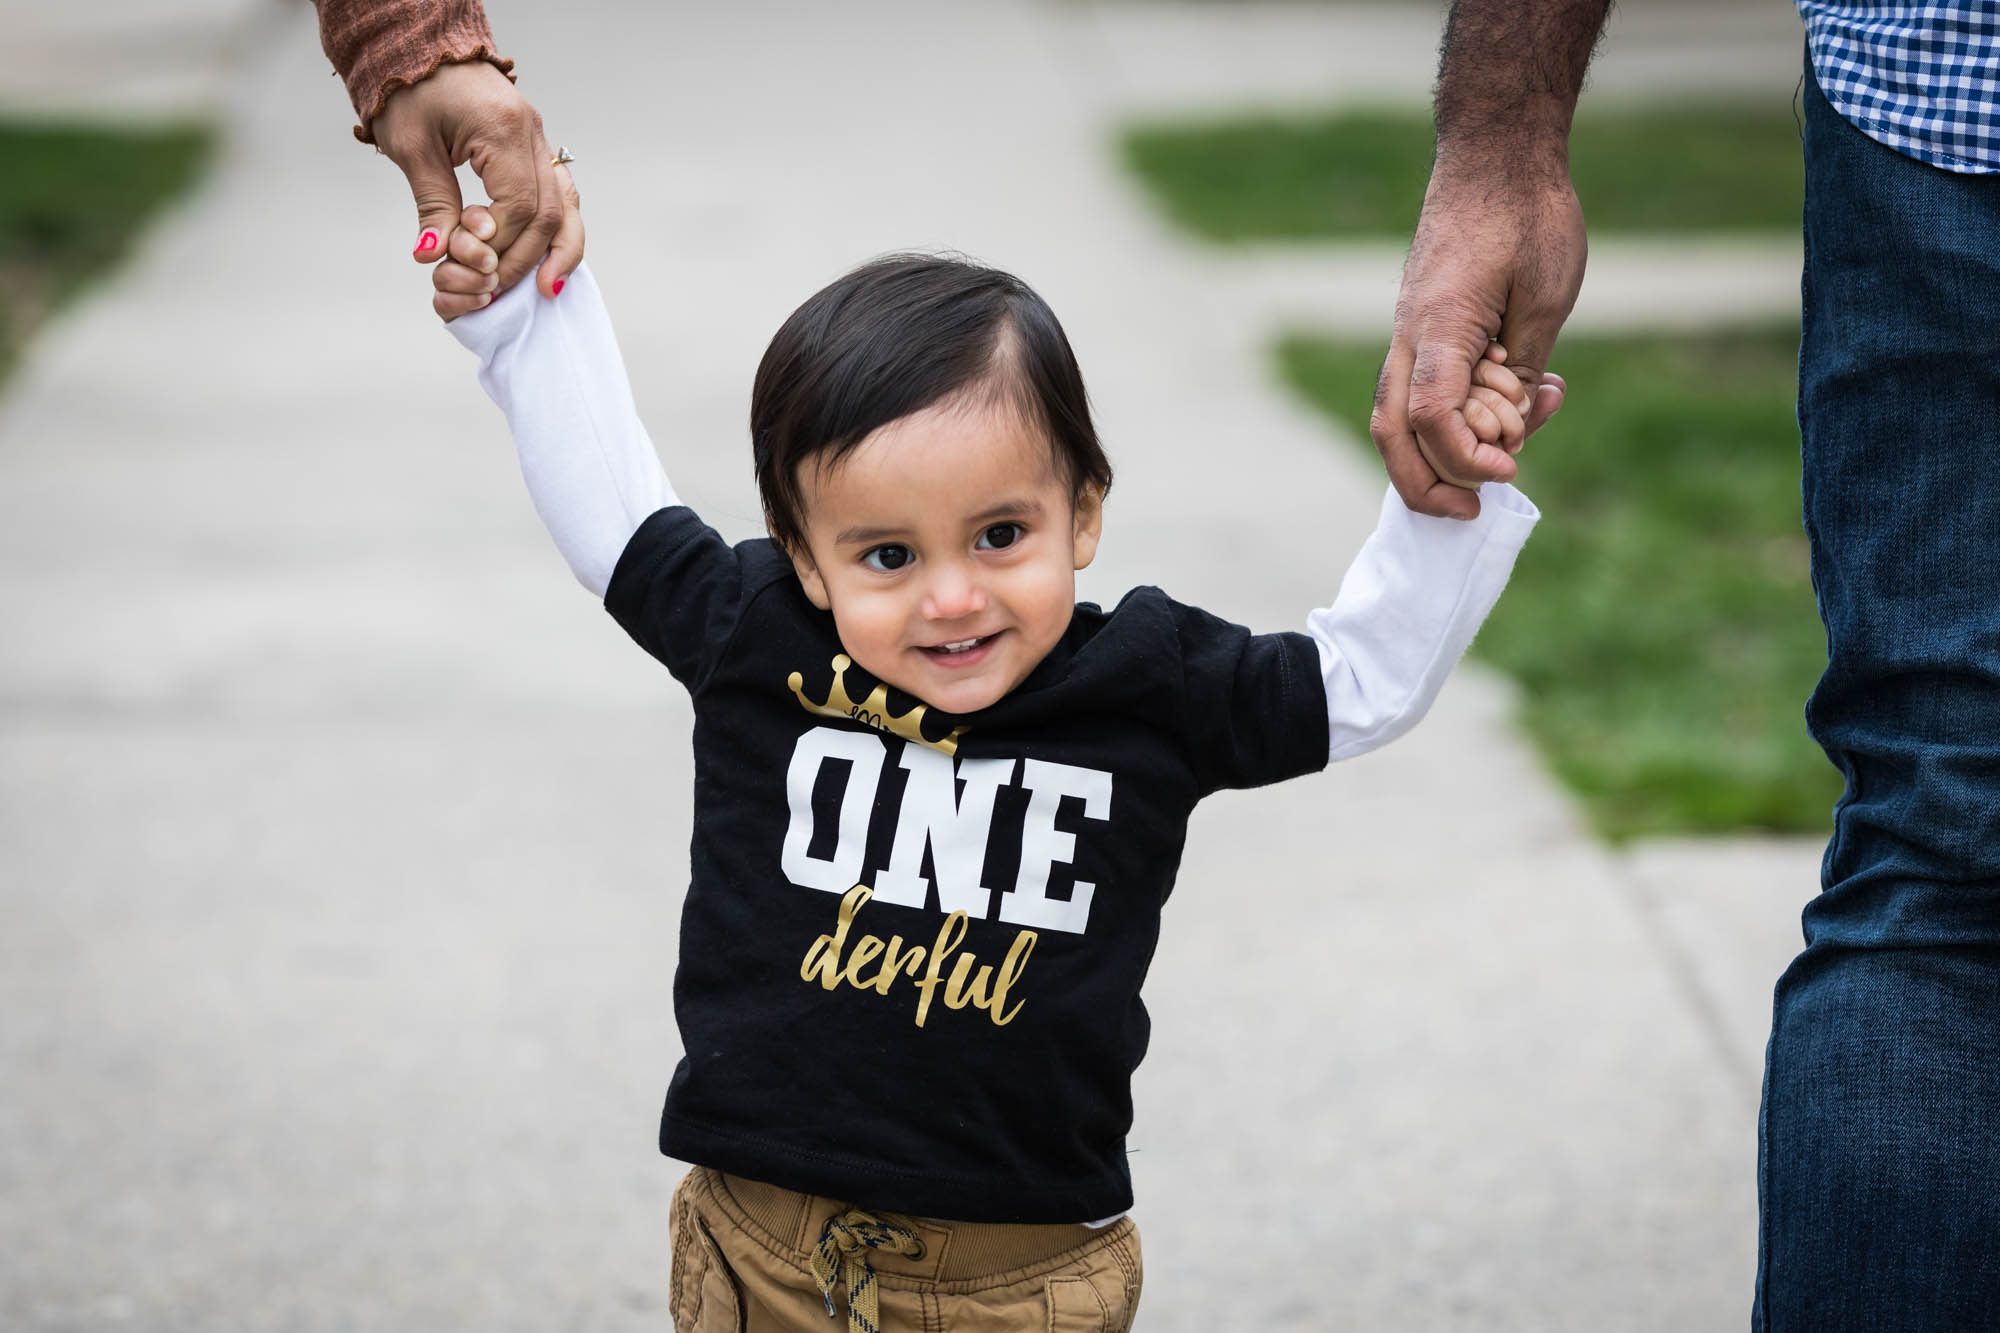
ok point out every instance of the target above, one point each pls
(345, 835)
(142, 60)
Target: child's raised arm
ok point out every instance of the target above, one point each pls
(1421, 586)
(552, 366)
(1407, 610)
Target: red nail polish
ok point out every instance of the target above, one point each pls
(427, 241)
(557, 289)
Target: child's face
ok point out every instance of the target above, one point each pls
(947, 526)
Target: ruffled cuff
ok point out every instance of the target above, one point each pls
(380, 46)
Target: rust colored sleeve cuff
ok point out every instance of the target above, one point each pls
(378, 46)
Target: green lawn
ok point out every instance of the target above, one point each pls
(1660, 622)
(1669, 168)
(75, 196)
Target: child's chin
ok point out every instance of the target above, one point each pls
(948, 696)
(965, 697)
(968, 696)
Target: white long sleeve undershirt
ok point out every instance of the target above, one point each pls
(1406, 610)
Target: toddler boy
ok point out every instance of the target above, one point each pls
(938, 804)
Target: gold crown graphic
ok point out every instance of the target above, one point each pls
(874, 710)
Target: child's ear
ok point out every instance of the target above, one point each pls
(809, 579)
(1089, 523)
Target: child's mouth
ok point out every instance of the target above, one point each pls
(960, 652)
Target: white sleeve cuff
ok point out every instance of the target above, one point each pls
(553, 367)
(1407, 610)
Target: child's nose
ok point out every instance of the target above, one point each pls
(952, 593)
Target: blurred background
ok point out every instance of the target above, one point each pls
(342, 836)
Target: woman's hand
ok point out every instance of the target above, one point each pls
(471, 112)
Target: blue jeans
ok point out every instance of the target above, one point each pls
(1879, 1142)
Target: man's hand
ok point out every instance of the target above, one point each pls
(1498, 254)
(1498, 257)
(470, 112)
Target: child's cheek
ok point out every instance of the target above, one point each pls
(872, 627)
(1049, 597)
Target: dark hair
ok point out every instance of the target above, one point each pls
(898, 335)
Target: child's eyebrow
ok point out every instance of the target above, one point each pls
(1022, 508)
(871, 535)
(1026, 507)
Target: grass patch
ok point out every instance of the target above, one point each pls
(1669, 168)
(75, 197)
(1661, 621)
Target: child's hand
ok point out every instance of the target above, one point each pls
(1500, 410)
(468, 279)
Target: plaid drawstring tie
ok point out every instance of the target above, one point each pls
(842, 1256)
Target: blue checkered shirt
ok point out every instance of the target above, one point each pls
(1922, 78)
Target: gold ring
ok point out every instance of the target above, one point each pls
(561, 158)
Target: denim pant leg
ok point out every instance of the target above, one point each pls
(1879, 1142)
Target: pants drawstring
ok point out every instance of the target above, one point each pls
(841, 1257)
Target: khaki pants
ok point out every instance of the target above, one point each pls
(742, 1256)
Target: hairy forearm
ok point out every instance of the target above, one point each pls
(1510, 71)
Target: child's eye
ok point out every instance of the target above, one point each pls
(888, 558)
(1000, 535)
